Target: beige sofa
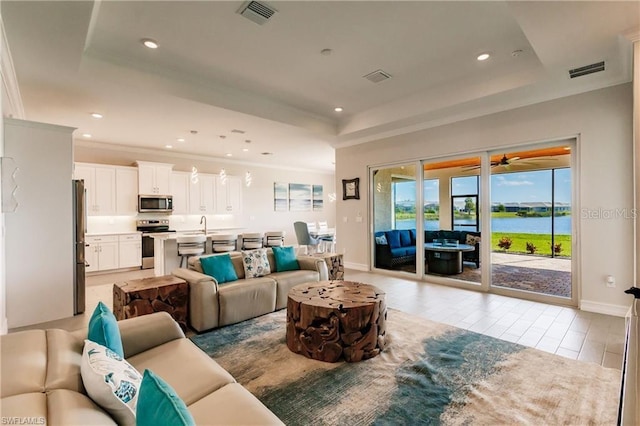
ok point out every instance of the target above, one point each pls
(212, 305)
(41, 378)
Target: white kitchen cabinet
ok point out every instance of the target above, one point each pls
(180, 182)
(101, 252)
(126, 190)
(129, 250)
(154, 178)
(228, 195)
(100, 184)
(201, 194)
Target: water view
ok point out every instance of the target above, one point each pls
(524, 225)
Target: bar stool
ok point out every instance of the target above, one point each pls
(190, 245)
(221, 243)
(274, 239)
(251, 240)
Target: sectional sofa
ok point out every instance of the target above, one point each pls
(214, 305)
(397, 247)
(42, 382)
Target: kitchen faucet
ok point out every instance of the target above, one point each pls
(204, 218)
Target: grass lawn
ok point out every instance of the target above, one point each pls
(541, 241)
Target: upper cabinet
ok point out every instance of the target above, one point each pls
(180, 183)
(126, 190)
(201, 194)
(100, 184)
(228, 195)
(154, 178)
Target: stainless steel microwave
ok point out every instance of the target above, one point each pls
(155, 203)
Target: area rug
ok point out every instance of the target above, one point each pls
(430, 373)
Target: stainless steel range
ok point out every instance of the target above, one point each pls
(149, 227)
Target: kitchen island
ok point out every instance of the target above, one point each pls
(165, 248)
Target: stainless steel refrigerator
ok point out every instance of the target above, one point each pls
(79, 230)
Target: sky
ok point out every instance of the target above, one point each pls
(517, 187)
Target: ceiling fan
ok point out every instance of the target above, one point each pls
(506, 162)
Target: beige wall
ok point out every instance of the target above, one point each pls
(257, 213)
(602, 122)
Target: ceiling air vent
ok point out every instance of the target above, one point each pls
(587, 69)
(257, 12)
(377, 76)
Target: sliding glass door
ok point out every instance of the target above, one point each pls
(395, 218)
(531, 231)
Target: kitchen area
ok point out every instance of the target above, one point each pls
(129, 210)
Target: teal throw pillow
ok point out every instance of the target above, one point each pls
(285, 259)
(219, 267)
(103, 329)
(158, 404)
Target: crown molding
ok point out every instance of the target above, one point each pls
(190, 157)
(12, 101)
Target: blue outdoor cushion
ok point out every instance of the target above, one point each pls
(103, 329)
(405, 238)
(158, 404)
(219, 267)
(393, 238)
(285, 259)
(450, 235)
(410, 250)
(429, 236)
(398, 252)
(413, 236)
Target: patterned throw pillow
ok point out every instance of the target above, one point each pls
(381, 240)
(110, 381)
(472, 240)
(256, 263)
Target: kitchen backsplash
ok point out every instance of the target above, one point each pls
(118, 224)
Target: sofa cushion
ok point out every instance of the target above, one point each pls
(25, 352)
(159, 404)
(413, 236)
(103, 329)
(285, 259)
(191, 372)
(246, 299)
(111, 382)
(450, 235)
(66, 407)
(405, 238)
(219, 267)
(429, 236)
(256, 263)
(64, 356)
(393, 237)
(232, 404)
(286, 280)
(25, 405)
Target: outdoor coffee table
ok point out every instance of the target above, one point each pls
(329, 320)
(445, 259)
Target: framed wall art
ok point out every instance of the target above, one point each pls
(351, 189)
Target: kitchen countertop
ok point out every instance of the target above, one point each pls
(174, 235)
(101, 234)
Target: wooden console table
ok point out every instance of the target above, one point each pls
(335, 265)
(167, 293)
(328, 320)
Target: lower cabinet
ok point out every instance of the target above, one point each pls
(106, 252)
(101, 253)
(130, 250)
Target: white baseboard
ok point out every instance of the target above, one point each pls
(357, 266)
(604, 308)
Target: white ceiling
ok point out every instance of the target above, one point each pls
(216, 71)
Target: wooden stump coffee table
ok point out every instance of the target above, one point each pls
(328, 320)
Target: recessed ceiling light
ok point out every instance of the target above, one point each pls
(193, 132)
(266, 153)
(338, 109)
(180, 139)
(151, 44)
(247, 141)
(96, 115)
(326, 52)
(245, 149)
(86, 135)
(483, 57)
(228, 154)
(168, 146)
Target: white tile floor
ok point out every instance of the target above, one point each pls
(564, 331)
